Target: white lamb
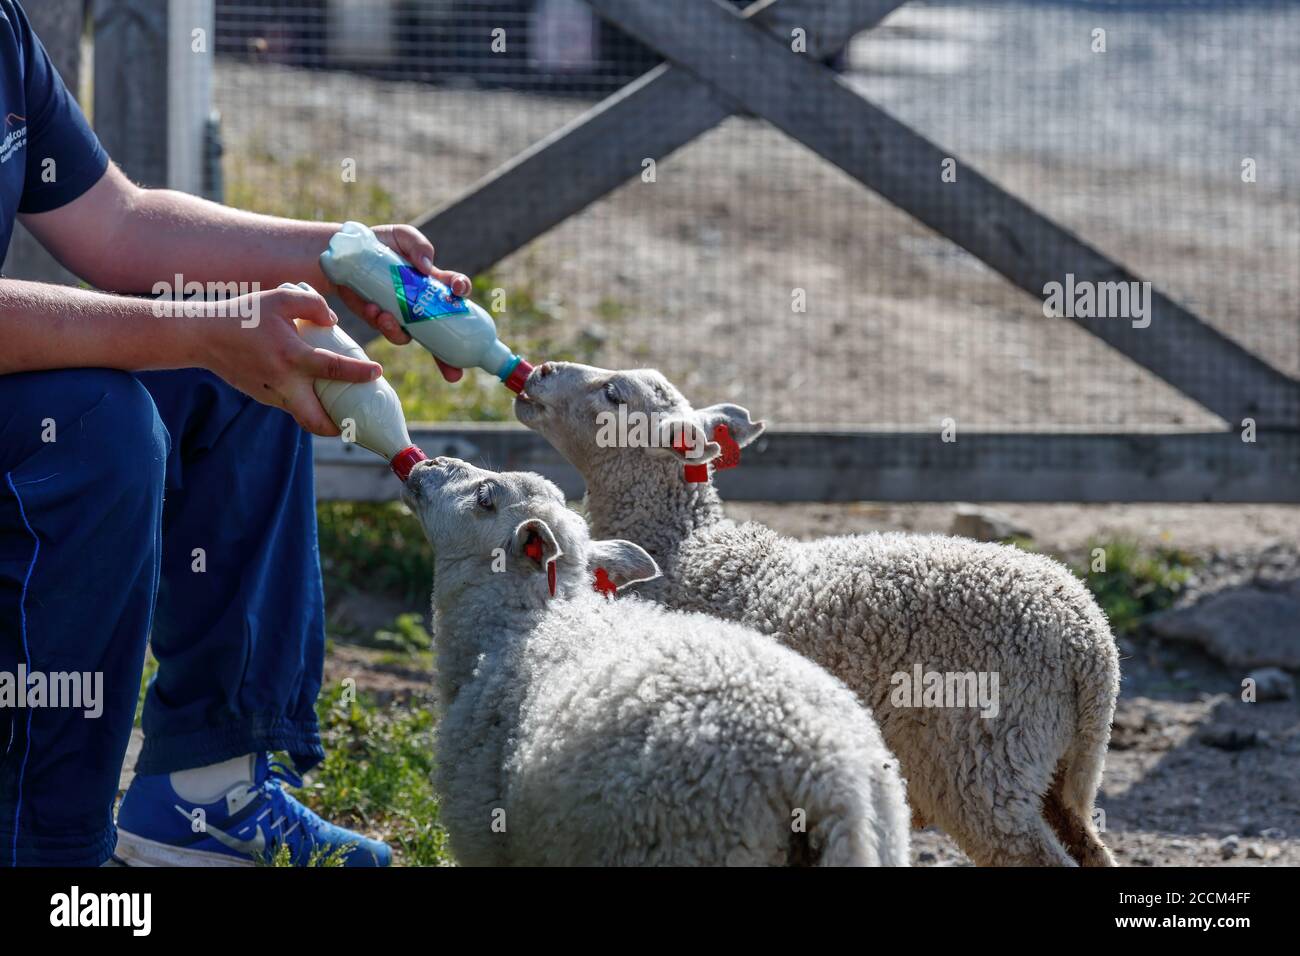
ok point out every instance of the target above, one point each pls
(878, 611)
(584, 730)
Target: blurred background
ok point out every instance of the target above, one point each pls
(1166, 141)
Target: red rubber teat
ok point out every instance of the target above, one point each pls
(516, 379)
(405, 460)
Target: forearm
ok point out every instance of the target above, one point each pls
(46, 326)
(122, 238)
(170, 233)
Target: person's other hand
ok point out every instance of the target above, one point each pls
(409, 243)
(268, 359)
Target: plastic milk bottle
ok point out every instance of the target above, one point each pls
(372, 408)
(456, 330)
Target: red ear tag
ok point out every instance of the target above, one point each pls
(693, 474)
(550, 576)
(730, 456)
(603, 584)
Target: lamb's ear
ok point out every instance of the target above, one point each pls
(535, 544)
(684, 439)
(622, 561)
(743, 429)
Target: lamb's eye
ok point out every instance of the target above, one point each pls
(611, 392)
(483, 497)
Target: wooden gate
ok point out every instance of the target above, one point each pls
(721, 62)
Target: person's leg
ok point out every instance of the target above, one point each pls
(82, 454)
(239, 631)
(239, 635)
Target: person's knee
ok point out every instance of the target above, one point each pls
(111, 424)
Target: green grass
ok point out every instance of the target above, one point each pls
(377, 775)
(318, 857)
(1137, 581)
(407, 636)
(304, 187)
(373, 547)
(150, 668)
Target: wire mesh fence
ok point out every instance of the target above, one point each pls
(750, 269)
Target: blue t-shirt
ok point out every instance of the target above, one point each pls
(48, 154)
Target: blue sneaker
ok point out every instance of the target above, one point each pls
(157, 828)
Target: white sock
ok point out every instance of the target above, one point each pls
(209, 784)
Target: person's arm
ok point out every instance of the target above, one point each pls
(250, 342)
(122, 238)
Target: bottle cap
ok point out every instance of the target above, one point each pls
(406, 459)
(518, 376)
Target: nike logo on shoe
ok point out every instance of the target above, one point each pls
(252, 847)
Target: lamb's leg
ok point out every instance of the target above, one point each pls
(1067, 807)
(1032, 833)
(1003, 825)
(1034, 844)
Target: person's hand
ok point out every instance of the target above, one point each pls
(409, 243)
(270, 361)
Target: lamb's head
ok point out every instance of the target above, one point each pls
(512, 532)
(598, 419)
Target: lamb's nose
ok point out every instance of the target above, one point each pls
(545, 369)
(438, 462)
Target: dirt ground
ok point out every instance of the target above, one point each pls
(1169, 798)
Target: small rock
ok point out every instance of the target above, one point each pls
(925, 856)
(1272, 683)
(1143, 861)
(1231, 738)
(986, 524)
(1273, 833)
(1244, 627)
(1228, 847)
(1257, 851)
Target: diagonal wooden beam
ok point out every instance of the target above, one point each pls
(604, 148)
(758, 73)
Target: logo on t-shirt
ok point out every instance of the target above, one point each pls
(15, 137)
